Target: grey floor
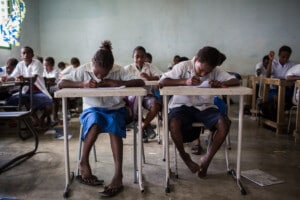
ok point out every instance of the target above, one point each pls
(43, 175)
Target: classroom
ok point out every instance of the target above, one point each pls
(75, 33)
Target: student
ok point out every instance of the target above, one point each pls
(148, 57)
(294, 74)
(146, 71)
(184, 110)
(277, 69)
(197, 148)
(101, 114)
(74, 64)
(261, 67)
(42, 100)
(51, 78)
(7, 70)
(176, 60)
(61, 66)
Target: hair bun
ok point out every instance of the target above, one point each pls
(106, 44)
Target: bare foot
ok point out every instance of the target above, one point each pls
(202, 172)
(85, 169)
(115, 183)
(194, 167)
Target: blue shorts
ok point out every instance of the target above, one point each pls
(109, 121)
(189, 115)
(40, 100)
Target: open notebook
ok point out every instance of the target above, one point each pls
(261, 178)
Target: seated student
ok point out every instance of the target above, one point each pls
(197, 148)
(74, 64)
(261, 67)
(42, 100)
(277, 69)
(294, 74)
(51, 78)
(7, 70)
(101, 114)
(184, 110)
(146, 71)
(176, 60)
(148, 57)
(61, 66)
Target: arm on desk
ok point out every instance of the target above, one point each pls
(293, 78)
(118, 83)
(179, 82)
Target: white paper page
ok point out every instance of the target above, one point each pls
(204, 84)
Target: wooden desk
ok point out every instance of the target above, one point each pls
(279, 124)
(95, 92)
(254, 81)
(190, 90)
(297, 128)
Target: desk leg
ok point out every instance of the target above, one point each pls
(140, 142)
(239, 147)
(166, 143)
(66, 145)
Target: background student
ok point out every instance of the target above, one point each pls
(146, 71)
(42, 100)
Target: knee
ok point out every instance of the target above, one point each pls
(174, 125)
(223, 125)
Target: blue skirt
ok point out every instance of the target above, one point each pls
(110, 121)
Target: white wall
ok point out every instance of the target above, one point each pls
(244, 30)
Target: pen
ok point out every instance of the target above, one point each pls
(90, 75)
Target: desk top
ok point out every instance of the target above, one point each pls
(194, 90)
(100, 92)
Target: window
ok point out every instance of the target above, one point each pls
(12, 13)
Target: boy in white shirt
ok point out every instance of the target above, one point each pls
(184, 110)
(42, 100)
(146, 71)
(51, 79)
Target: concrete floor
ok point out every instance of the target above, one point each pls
(43, 175)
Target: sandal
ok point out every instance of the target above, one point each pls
(196, 149)
(91, 180)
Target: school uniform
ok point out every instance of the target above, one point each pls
(107, 112)
(279, 71)
(52, 74)
(41, 96)
(189, 109)
(151, 98)
(294, 71)
(259, 66)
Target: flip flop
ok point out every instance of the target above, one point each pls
(196, 150)
(91, 180)
(110, 192)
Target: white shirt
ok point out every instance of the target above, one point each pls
(116, 73)
(259, 66)
(66, 71)
(52, 74)
(185, 70)
(294, 71)
(147, 68)
(279, 71)
(34, 68)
